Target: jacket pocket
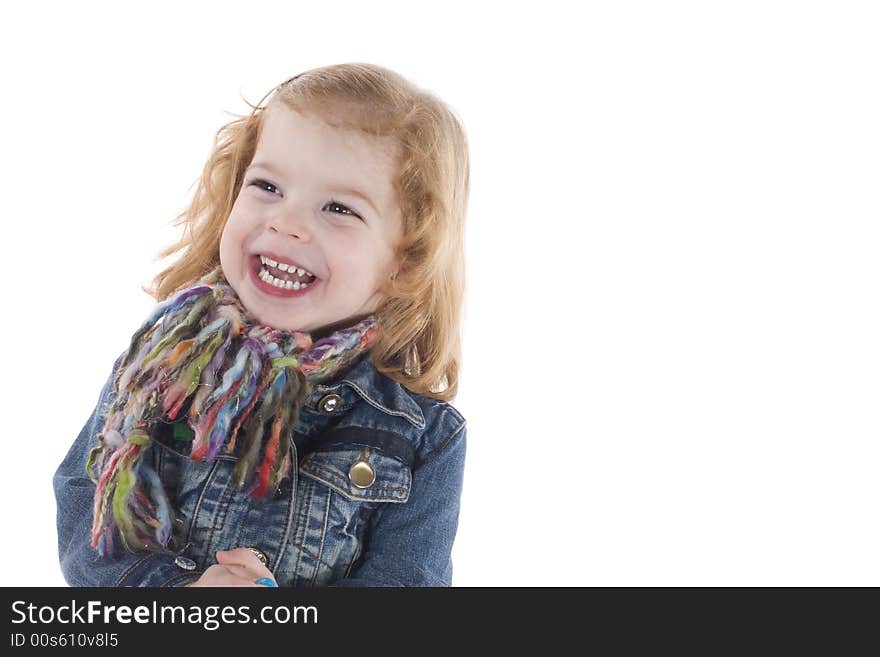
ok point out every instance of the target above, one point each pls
(360, 474)
(339, 490)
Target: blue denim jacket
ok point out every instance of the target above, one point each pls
(389, 521)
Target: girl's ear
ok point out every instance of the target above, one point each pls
(391, 280)
(395, 272)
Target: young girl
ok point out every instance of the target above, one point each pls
(283, 416)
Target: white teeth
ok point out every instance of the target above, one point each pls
(284, 266)
(277, 282)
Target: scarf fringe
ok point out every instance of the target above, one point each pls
(240, 376)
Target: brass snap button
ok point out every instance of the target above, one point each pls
(361, 473)
(329, 403)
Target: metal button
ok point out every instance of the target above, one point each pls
(329, 403)
(186, 564)
(361, 474)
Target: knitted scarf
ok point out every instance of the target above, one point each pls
(203, 347)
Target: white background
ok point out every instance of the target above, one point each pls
(671, 342)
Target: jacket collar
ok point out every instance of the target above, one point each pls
(378, 390)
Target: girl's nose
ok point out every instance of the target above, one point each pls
(295, 222)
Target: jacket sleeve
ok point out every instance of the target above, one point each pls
(410, 544)
(74, 495)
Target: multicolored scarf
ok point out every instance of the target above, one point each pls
(201, 345)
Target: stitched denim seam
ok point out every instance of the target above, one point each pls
(318, 561)
(291, 510)
(373, 499)
(304, 550)
(199, 503)
(303, 525)
(180, 576)
(354, 446)
(418, 422)
(223, 504)
(388, 499)
(445, 444)
(128, 570)
(357, 553)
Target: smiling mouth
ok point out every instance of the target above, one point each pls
(279, 279)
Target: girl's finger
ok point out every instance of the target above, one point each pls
(218, 575)
(244, 558)
(243, 572)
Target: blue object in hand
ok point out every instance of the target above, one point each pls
(266, 581)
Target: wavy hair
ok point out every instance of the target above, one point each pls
(419, 342)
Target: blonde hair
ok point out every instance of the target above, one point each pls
(419, 343)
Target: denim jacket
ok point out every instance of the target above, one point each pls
(374, 500)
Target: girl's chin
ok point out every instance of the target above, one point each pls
(277, 318)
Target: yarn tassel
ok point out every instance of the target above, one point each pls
(144, 342)
(238, 382)
(102, 500)
(125, 481)
(183, 328)
(299, 390)
(188, 380)
(269, 458)
(254, 428)
(140, 523)
(209, 376)
(278, 446)
(265, 381)
(163, 511)
(202, 429)
(170, 305)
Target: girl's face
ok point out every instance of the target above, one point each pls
(322, 199)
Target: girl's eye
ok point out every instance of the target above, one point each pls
(272, 189)
(339, 205)
(262, 184)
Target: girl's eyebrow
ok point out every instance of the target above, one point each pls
(360, 195)
(342, 190)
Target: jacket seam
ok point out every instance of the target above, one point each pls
(419, 422)
(180, 577)
(319, 559)
(198, 506)
(303, 549)
(433, 455)
(301, 533)
(132, 567)
(291, 510)
(357, 554)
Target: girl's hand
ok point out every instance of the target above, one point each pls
(238, 567)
